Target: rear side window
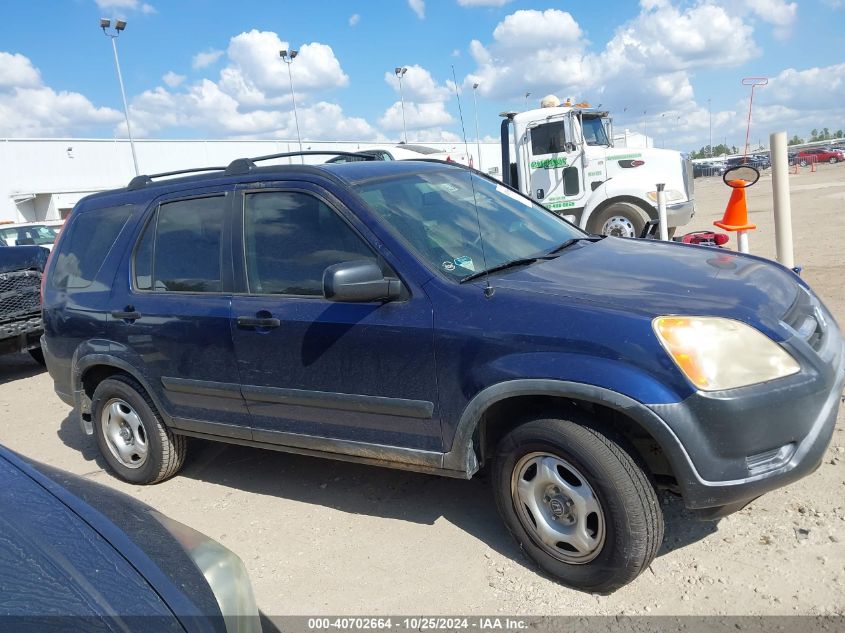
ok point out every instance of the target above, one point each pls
(84, 249)
(179, 250)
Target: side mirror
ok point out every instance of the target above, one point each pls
(359, 281)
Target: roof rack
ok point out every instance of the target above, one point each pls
(139, 182)
(245, 165)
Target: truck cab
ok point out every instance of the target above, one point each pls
(563, 157)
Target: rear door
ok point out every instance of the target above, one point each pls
(173, 314)
(361, 372)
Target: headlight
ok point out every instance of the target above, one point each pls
(225, 574)
(672, 195)
(716, 353)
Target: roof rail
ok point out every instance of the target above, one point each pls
(245, 165)
(139, 182)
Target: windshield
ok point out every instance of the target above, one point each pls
(27, 235)
(595, 132)
(434, 212)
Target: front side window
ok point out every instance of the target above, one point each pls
(595, 132)
(439, 212)
(290, 238)
(179, 250)
(549, 138)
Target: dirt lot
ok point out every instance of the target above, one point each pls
(324, 537)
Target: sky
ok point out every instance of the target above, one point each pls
(211, 68)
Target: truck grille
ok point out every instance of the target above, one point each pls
(804, 317)
(20, 294)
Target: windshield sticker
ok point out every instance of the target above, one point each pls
(513, 195)
(549, 163)
(465, 262)
(449, 266)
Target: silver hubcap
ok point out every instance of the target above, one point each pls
(619, 226)
(125, 434)
(558, 508)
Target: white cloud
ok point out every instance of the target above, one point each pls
(29, 108)
(417, 116)
(483, 3)
(778, 13)
(17, 71)
(206, 58)
(532, 29)
(418, 85)
(354, 19)
(418, 7)
(172, 79)
(125, 5)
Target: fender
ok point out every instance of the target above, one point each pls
(105, 353)
(462, 455)
(617, 188)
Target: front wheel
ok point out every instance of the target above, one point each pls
(577, 503)
(619, 219)
(833, 160)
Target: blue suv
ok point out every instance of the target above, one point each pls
(420, 315)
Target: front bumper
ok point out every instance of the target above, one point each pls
(739, 444)
(21, 335)
(681, 213)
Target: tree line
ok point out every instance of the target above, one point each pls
(815, 135)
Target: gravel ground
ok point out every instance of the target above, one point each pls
(324, 537)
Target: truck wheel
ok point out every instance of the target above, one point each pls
(38, 356)
(577, 503)
(620, 219)
(137, 445)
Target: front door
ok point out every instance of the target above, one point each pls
(173, 318)
(312, 368)
(554, 165)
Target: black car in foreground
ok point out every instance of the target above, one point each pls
(75, 555)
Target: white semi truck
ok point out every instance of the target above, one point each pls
(563, 157)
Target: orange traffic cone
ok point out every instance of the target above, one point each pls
(736, 213)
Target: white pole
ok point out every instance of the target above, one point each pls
(783, 206)
(742, 238)
(661, 212)
(125, 105)
(477, 135)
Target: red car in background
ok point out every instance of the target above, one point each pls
(819, 155)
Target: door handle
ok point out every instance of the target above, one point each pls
(257, 322)
(127, 314)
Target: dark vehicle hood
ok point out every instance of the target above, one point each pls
(663, 278)
(14, 258)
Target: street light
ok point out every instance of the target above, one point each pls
(527, 94)
(477, 135)
(120, 25)
(400, 72)
(710, 119)
(288, 56)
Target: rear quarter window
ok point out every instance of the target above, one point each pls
(88, 242)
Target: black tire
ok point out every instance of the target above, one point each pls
(632, 521)
(38, 356)
(165, 452)
(631, 223)
(833, 160)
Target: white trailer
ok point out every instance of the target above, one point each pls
(563, 157)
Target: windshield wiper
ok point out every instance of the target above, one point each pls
(564, 245)
(523, 261)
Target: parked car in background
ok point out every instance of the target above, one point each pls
(79, 556)
(21, 268)
(708, 168)
(28, 234)
(406, 152)
(423, 316)
(819, 155)
(758, 161)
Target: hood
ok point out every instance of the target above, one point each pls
(14, 258)
(656, 278)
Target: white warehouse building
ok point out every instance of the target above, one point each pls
(42, 179)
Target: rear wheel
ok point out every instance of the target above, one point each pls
(577, 503)
(137, 445)
(620, 219)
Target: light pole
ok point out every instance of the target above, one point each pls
(527, 94)
(400, 72)
(288, 56)
(120, 25)
(477, 135)
(710, 119)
